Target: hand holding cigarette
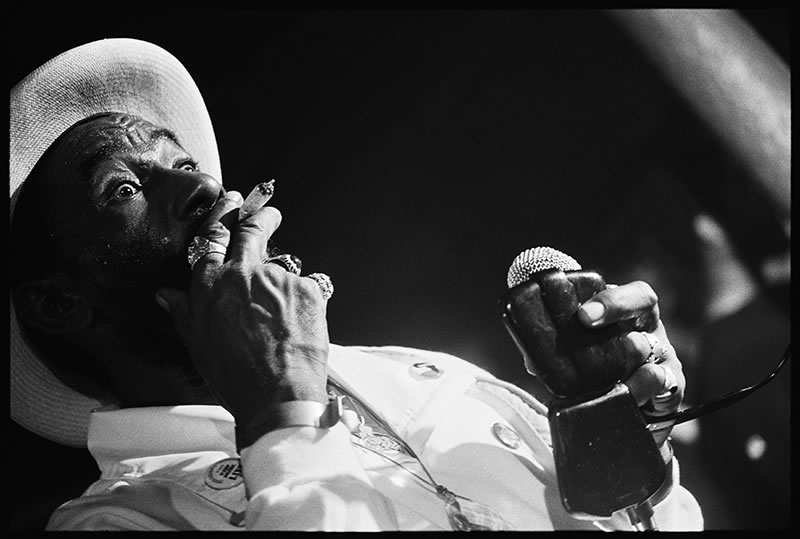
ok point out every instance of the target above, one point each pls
(258, 197)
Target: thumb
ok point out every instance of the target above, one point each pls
(175, 302)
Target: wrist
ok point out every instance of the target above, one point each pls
(302, 374)
(298, 391)
(297, 413)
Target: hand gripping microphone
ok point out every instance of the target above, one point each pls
(606, 459)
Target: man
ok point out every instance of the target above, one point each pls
(114, 176)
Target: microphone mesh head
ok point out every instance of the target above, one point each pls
(538, 259)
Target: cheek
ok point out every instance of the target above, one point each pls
(134, 258)
(129, 280)
(128, 254)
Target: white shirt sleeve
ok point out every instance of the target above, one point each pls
(304, 478)
(678, 511)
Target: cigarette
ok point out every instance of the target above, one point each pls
(257, 198)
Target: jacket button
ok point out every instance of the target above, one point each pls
(506, 435)
(425, 370)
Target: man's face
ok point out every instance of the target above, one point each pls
(128, 201)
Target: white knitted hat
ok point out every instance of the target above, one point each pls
(110, 75)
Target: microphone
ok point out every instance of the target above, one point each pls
(606, 458)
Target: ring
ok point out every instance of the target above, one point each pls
(201, 247)
(324, 283)
(290, 263)
(652, 340)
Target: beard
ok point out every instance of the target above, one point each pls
(131, 276)
(127, 275)
(129, 305)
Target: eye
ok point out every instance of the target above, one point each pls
(126, 190)
(189, 166)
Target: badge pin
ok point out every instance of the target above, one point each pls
(225, 474)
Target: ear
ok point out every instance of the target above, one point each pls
(53, 305)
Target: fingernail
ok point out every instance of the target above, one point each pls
(670, 387)
(593, 312)
(163, 303)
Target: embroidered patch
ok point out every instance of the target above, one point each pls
(225, 474)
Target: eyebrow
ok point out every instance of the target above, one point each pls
(164, 133)
(87, 167)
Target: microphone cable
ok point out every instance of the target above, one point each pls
(700, 410)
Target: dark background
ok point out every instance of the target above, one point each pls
(417, 152)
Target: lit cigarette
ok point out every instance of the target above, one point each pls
(257, 198)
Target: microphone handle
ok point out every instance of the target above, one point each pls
(642, 517)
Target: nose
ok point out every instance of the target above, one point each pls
(187, 193)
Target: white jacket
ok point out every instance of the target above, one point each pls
(177, 468)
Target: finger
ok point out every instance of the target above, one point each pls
(175, 302)
(635, 301)
(648, 346)
(652, 380)
(253, 234)
(216, 229)
(221, 214)
(638, 346)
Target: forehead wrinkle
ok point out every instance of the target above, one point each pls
(133, 137)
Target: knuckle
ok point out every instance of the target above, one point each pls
(216, 231)
(653, 377)
(309, 287)
(273, 213)
(645, 382)
(273, 272)
(251, 226)
(636, 345)
(263, 219)
(647, 292)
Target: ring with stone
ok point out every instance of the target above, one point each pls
(290, 263)
(201, 247)
(325, 284)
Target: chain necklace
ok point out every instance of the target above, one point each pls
(375, 435)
